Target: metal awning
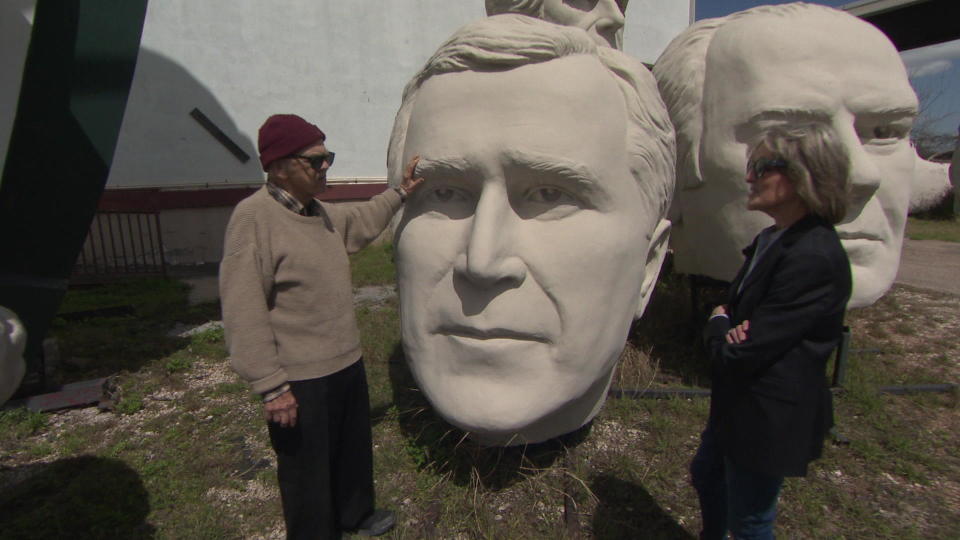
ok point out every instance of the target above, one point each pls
(911, 23)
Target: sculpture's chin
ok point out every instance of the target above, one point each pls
(870, 283)
(527, 416)
(533, 433)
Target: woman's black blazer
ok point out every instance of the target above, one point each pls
(771, 405)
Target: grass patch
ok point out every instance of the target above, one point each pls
(230, 388)
(131, 403)
(149, 297)
(213, 336)
(946, 230)
(185, 454)
(21, 423)
(373, 266)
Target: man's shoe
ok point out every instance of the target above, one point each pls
(379, 522)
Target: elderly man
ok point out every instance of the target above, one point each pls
(540, 230)
(725, 80)
(292, 334)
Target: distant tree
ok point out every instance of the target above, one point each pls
(927, 136)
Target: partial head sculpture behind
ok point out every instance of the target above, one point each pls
(540, 231)
(955, 176)
(13, 340)
(931, 184)
(726, 80)
(602, 19)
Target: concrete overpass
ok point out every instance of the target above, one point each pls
(911, 23)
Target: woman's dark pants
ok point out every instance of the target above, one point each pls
(732, 498)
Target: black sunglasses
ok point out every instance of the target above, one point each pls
(762, 166)
(318, 160)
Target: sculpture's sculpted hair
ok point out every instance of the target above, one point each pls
(533, 8)
(680, 72)
(818, 165)
(508, 41)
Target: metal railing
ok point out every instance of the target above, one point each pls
(119, 245)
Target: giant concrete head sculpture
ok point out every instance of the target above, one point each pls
(602, 19)
(725, 80)
(539, 233)
(955, 177)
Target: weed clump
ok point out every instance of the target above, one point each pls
(21, 423)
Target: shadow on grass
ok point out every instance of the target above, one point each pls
(123, 327)
(434, 443)
(81, 497)
(627, 510)
(669, 330)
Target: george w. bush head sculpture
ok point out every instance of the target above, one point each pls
(540, 231)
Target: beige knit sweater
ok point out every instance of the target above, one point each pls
(285, 287)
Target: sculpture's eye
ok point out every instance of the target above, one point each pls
(444, 194)
(879, 131)
(549, 202)
(443, 199)
(582, 5)
(546, 194)
(886, 132)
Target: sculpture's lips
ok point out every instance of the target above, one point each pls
(858, 235)
(457, 330)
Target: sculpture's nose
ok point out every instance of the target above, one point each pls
(489, 258)
(609, 21)
(865, 175)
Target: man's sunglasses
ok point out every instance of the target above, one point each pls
(762, 166)
(318, 160)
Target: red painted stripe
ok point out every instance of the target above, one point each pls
(155, 199)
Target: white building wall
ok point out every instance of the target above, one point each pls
(193, 236)
(342, 65)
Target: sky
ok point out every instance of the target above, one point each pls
(934, 71)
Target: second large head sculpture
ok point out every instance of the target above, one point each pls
(540, 231)
(726, 80)
(603, 20)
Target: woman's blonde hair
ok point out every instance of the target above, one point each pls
(817, 164)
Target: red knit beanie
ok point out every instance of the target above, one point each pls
(283, 134)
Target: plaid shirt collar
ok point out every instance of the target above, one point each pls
(291, 203)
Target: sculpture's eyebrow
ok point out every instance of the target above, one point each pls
(787, 113)
(577, 176)
(894, 111)
(442, 165)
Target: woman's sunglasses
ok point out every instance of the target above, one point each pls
(762, 166)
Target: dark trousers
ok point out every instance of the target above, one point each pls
(731, 497)
(325, 462)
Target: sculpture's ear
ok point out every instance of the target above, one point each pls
(656, 251)
(695, 176)
(930, 184)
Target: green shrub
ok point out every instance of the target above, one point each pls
(208, 337)
(179, 362)
(20, 423)
(130, 403)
